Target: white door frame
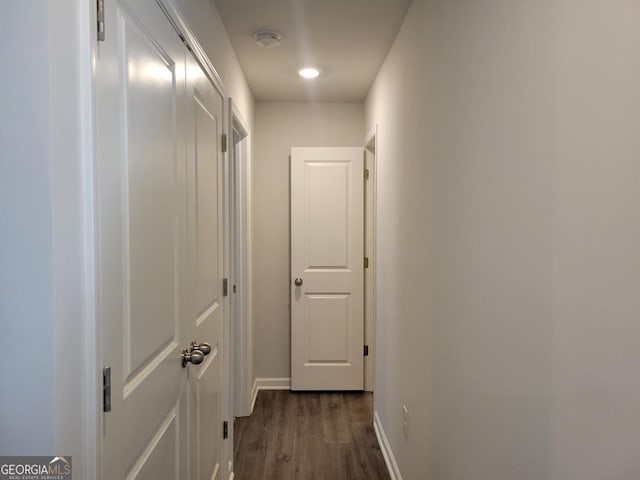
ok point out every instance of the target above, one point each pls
(370, 145)
(241, 312)
(72, 36)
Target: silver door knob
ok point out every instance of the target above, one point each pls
(204, 347)
(195, 357)
(298, 282)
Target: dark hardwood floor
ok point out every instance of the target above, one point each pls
(308, 436)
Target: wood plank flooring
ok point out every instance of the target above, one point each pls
(308, 436)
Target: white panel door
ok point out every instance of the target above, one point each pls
(207, 306)
(140, 172)
(327, 241)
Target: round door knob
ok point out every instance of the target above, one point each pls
(204, 347)
(298, 282)
(195, 357)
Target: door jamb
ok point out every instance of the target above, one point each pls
(371, 146)
(242, 326)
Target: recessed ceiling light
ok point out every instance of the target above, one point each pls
(309, 72)
(267, 38)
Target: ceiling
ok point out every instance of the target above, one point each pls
(347, 40)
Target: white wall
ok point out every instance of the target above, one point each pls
(508, 232)
(27, 394)
(278, 127)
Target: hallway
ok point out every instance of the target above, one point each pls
(308, 436)
(148, 250)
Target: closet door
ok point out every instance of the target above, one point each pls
(142, 250)
(208, 304)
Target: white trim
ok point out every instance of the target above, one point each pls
(371, 145)
(227, 366)
(268, 384)
(92, 339)
(180, 25)
(254, 394)
(77, 397)
(387, 453)
(242, 341)
(237, 120)
(370, 141)
(273, 383)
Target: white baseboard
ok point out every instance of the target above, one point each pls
(387, 453)
(273, 383)
(254, 395)
(268, 384)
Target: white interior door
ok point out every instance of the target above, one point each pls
(207, 305)
(327, 242)
(140, 172)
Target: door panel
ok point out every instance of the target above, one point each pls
(150, 197)
(326, 214)
(328, 334)
(208, 281)
(207, 306)
(140, 78)
(327, 201)
(160, 454)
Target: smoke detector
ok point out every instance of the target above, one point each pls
(267, 38)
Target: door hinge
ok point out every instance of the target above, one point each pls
(225, 429)
(234, 289)
(366, 174)
(100, 19)
(366, 350)
(106, 389)
(225, 141)
(225, 287)
(184, 40)
(366, 262)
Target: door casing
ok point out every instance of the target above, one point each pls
(240, 254)
(370, 253)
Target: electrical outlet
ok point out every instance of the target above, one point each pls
(405, 421)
